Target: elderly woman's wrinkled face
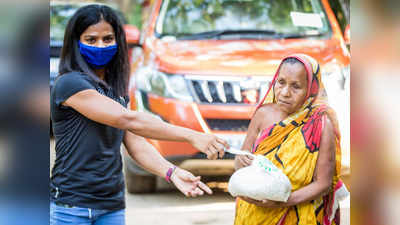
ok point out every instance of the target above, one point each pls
(291, 87)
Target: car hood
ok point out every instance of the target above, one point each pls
(237, 57)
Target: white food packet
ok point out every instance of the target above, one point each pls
(261, 180)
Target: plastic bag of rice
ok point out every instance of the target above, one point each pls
(261, 180)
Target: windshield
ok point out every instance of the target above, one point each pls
(182, 18)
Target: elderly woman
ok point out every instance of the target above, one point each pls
(295, 129)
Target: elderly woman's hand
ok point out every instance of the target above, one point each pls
(209, 144)
(263, 203)
(188, 184)
(243, 161)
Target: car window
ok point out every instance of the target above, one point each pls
(183, 17)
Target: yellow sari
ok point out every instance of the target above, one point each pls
(292, 145)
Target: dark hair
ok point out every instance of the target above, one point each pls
(291, 61)
(117, 70)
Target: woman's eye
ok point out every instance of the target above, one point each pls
(108, 39)
(91, 40)
(281, 81)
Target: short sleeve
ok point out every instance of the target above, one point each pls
(70, 84)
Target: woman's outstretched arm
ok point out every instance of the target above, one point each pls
(104, 110)
(150, 159)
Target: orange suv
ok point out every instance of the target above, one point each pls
(205, 64)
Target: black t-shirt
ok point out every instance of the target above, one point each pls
(88, 167)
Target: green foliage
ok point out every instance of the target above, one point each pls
(59, 16)
(134, 15)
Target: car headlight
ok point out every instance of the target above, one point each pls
(162, 84)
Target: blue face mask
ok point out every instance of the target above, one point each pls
(97, 57)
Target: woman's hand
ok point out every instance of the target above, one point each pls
(209, 144)
(243, 161)
(188, 184)
(264, 203)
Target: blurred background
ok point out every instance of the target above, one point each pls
(225, 78)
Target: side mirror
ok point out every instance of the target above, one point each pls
(347, 35)
(132, 35)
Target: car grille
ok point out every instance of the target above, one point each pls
(219, 91)
(228, 125)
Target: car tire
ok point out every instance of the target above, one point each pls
(139, 184)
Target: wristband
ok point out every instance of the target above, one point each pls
(169, 174)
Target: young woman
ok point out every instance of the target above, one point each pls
(90, 121)
(296, 130)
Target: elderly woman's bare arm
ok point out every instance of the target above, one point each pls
(252, 133)
(264, 117)
(324, 171)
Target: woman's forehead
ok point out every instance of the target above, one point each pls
(295, 71)
(99, 28)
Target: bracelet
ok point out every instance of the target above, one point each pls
(169, 174)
